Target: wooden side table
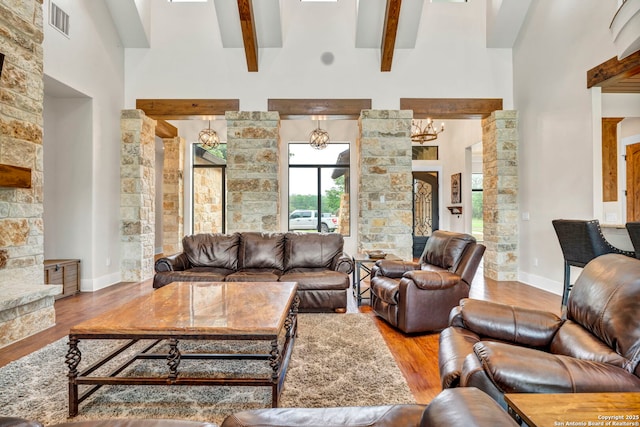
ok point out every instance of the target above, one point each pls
(576, 409)
(65, 272)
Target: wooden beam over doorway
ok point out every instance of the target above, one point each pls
(186, 109)
(451, 108)
(391, 19)
(247, 24)
(165, 129)
(333, 108)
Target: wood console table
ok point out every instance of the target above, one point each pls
(576, 409)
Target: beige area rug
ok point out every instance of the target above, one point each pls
(337, 360)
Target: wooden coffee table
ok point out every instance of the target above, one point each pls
(192, 311)
(575, 409)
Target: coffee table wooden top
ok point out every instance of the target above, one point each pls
(209, 308)
(566, 409)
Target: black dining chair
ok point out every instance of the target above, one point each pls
(633, 228)
(581, 241)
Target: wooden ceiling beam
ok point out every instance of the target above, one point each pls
(613, 72)
(391, 19)
(247, 24)
(305, 108)
(451, 108)
(186, 109)
(165, 129)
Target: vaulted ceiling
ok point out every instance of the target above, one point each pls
(386, 25)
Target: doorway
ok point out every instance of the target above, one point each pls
(425, 209)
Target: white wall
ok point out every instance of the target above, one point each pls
(193, 64)
(560, 41)
(91, 61)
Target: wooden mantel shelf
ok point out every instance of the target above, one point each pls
(15, 176)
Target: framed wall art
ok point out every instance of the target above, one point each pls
(456, 180)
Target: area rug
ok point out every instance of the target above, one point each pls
(337, 360)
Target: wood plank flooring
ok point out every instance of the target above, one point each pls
(417, 356)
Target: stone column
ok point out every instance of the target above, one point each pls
(253, 193)
(173, 195)
(500, 194)
(21, 103)
(385, 205)
(137, 195)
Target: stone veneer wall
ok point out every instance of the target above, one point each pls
(500, 195)
(21, 102)
(207, 200)
(137, 190)
(385, 202)
(253, 192)
(173, 195)
(26, 304)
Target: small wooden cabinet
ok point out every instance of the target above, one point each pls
(65, 272)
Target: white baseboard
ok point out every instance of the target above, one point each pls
(541, 282)
(92, 285)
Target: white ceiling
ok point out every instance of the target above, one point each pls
(504, 19)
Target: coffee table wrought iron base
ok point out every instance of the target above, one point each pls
(279, 353)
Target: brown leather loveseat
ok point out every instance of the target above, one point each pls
(510, 349)
(467, 407)
(418, 296)
(315, 261)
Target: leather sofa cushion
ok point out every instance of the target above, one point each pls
(254, 275)
(261, 250)
(444, 249)
(196, 274)
(316, 278)
(212, 250)
(312, 250)
(374, 416)
(575, 341)
(604, 300)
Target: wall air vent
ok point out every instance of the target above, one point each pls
(59, 19)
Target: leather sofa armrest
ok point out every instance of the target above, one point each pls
(514, 369)
(533, 328)
(432, 280)
(343, 263)
(393, 269)
(176, 262)
(466, 406)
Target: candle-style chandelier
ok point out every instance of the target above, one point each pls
(423, 134)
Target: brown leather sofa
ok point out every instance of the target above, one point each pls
(315, 261)
(509, 349)
(467, 407)
(418, 296)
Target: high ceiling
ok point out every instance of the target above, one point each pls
(387, 25)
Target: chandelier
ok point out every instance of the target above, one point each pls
(208, 138)
(423, 134)
(319, 138)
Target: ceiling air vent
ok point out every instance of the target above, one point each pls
(59, 19)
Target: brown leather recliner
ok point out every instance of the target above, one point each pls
(418, 296)
(509, 349)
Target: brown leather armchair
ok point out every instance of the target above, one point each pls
(508, 349)
(418, 296)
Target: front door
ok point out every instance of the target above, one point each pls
(425, 209)
(633, 182)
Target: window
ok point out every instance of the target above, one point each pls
(209, 189)
(319, 188)
(477, 220)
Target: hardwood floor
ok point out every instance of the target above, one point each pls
(417, 356)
